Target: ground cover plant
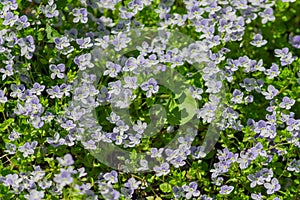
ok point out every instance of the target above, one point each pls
(149, 99)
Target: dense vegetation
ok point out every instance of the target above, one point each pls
(149, 99)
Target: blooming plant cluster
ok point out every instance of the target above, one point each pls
(148, 99)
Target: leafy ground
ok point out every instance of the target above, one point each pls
(219, 78)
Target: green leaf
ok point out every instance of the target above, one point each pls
(1, 107)
(6, 124)
(133, 155)
(173, 181)
(188, 107)
(51, 33)
(174, 116)
(150, 178)
(165, 187)
(40, 36)
(48, 31)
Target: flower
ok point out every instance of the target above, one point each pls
(57, 70)
(267, 15)
(156, 152)
(287, 103)
(237, 96)
(132, 184)
(50, 9)
(130, 64)
(163, 169)
(285, 56)
(22, 22)
(273, 71)
(213, 86)
(27, 46)
(84, 43)
(68, 125)
(288, 0)
(144, 49)
(144, 165)
(273, 186)
(139, 127)
(121, 127)
(44, 184)
(258, 41)
(65, 89)
(55, 92)
(61, 43)
(294, 165)
(37, 89)
(35, 195)
(103, 42)
(28, 148)
(257, 66)
(8, 71)
(207, 112)
(80, 15)
(120, 41)
(244, 160)
(150, 86)
(108, 4)
(64, 177)
(3, 98)
(272, 92)
(89, 145)
(10, 5)
(111, 177)
(67, 160)
(191, 190)
(10, 148)
(112, 69)
(196, 92)
(84, 61)
(255, 179)
(56, 140)
(225, 189)
(256, 196)
(295, 41)
(14, 135)
(10, 19)
(130, 82)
